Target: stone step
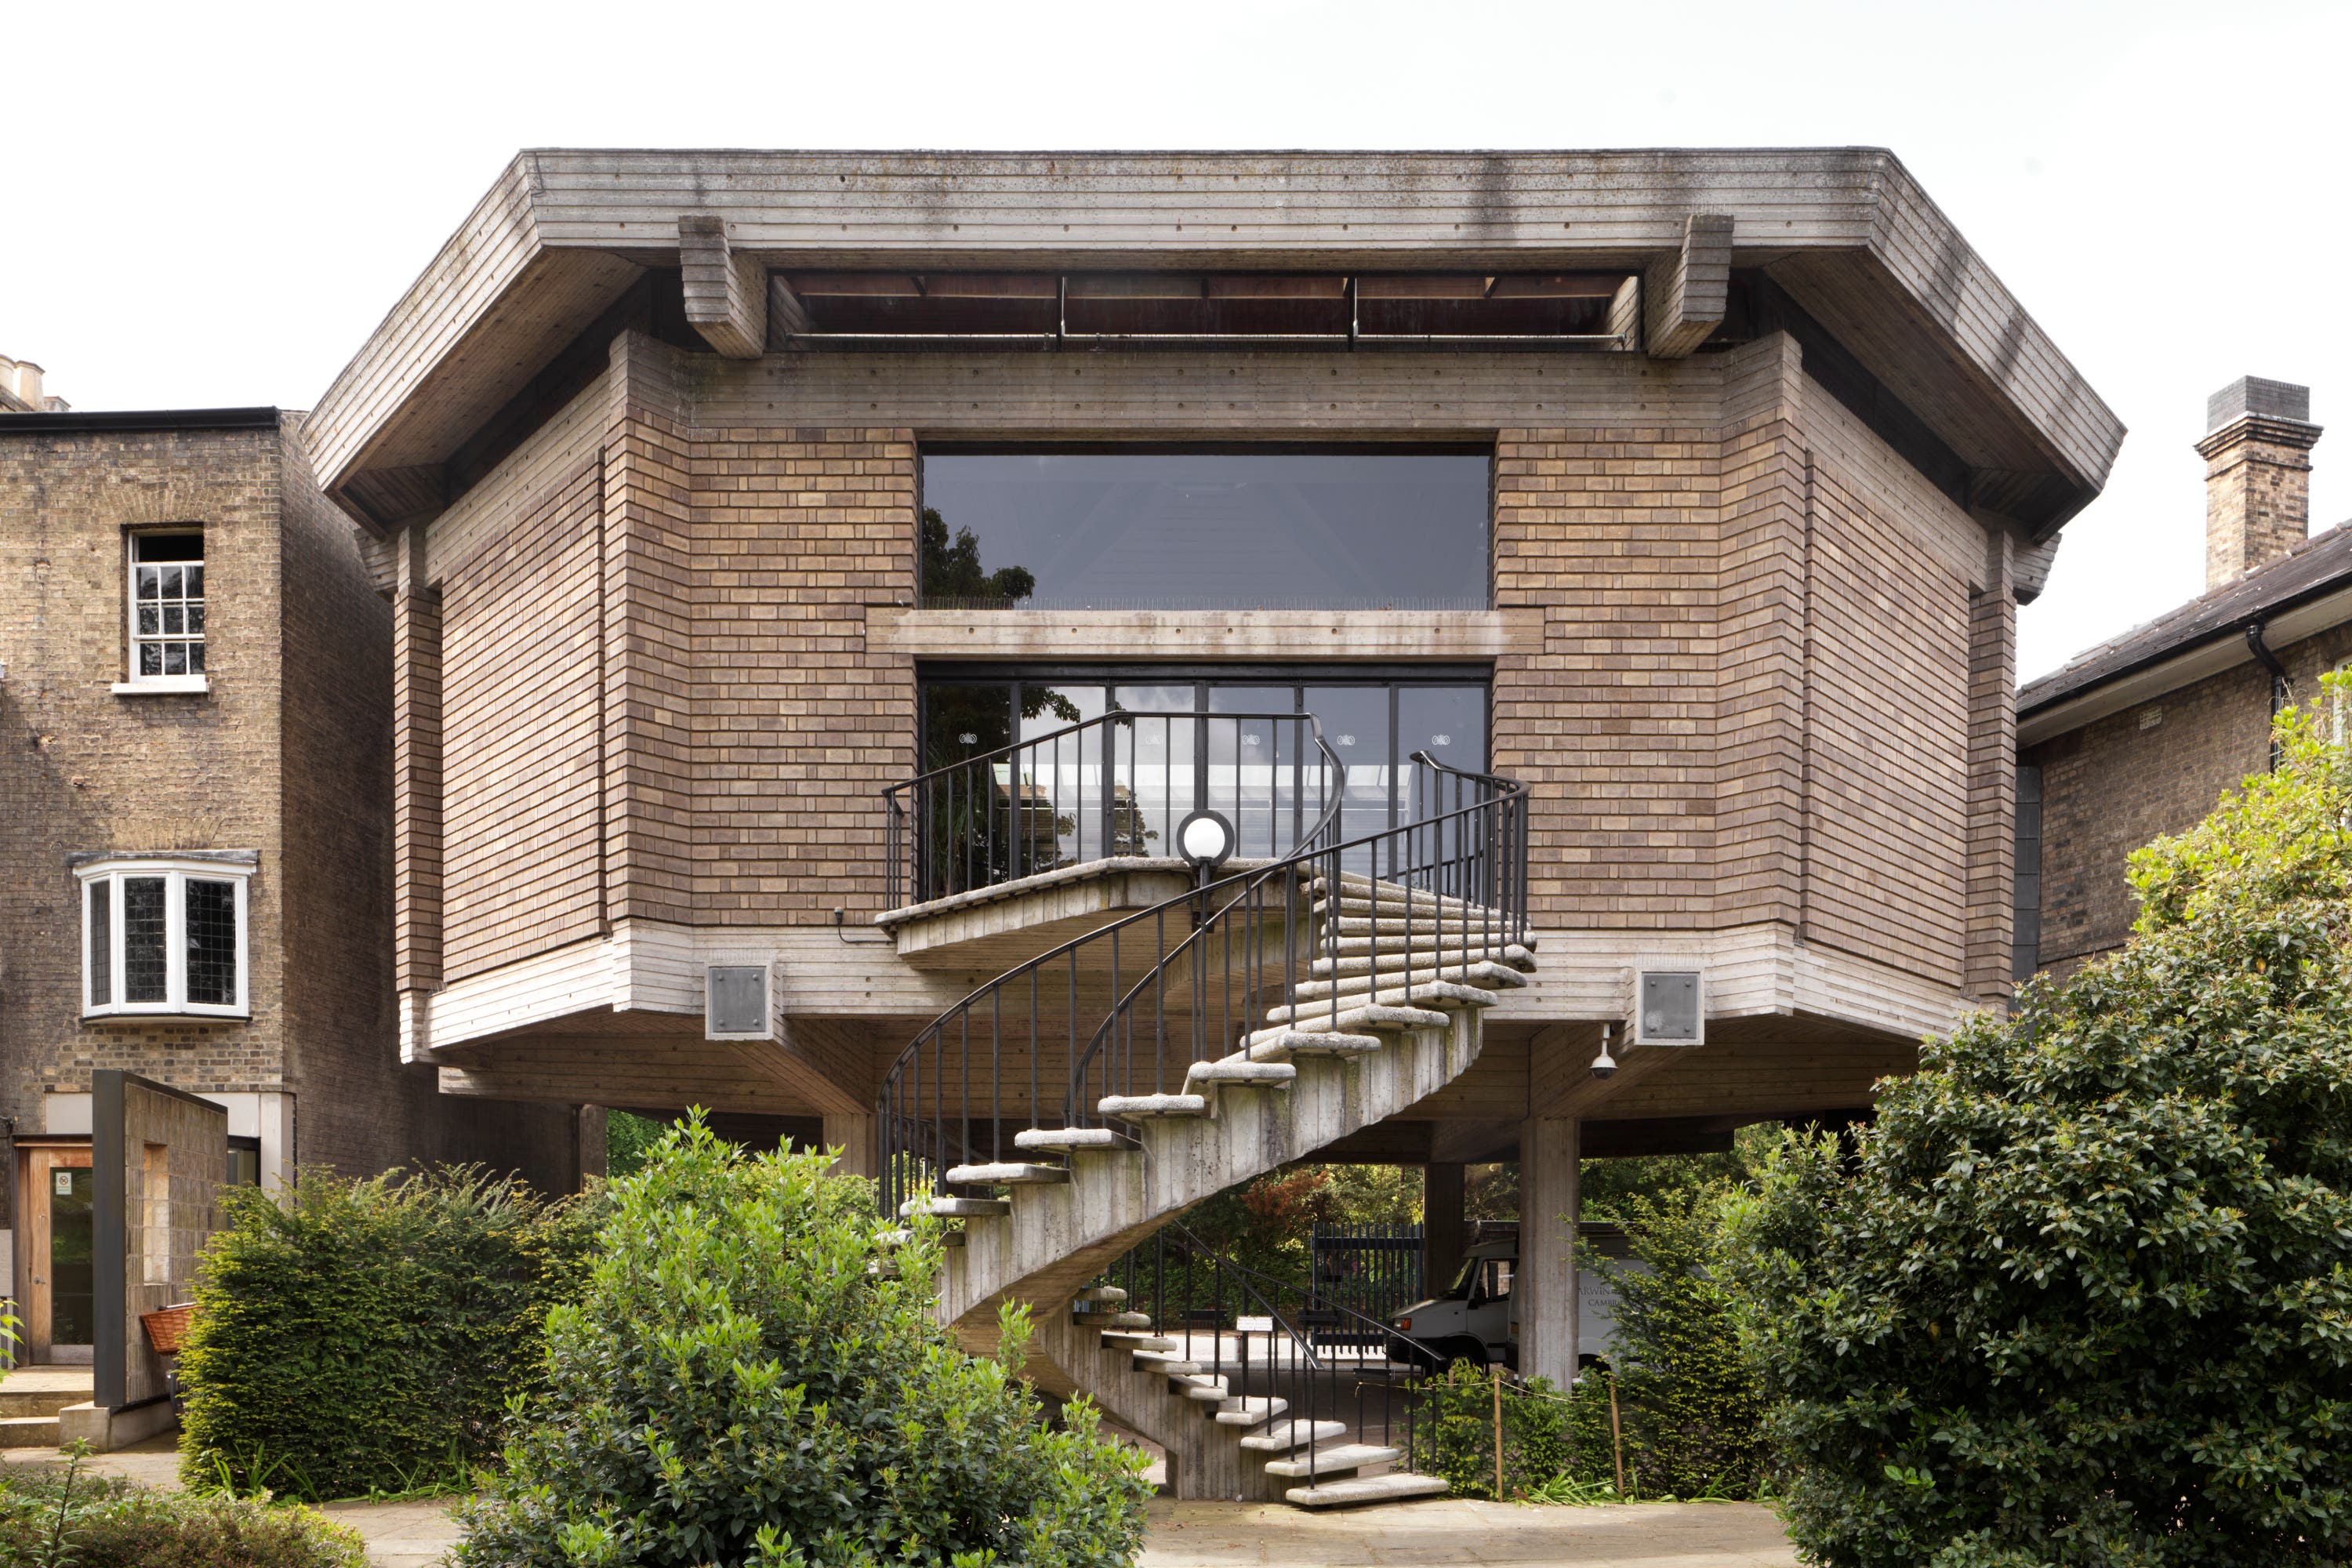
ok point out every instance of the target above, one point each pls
(1110, 1293)
(1207, 1389)
(28, 1432)
(1397, 1486)
(1326, 1461)
(1424, 990)
(1309, 1043)
(1447, 962)
(1138, 1106)
(1114, 1320)
(1007, 1174)
(1239, 1072)
(1421, 909)
(1403, 927)
(1254, 1411)
(1355, 949)
(1175, 1363)
(954, 1208)
(1139, 1340)
(1293, 1434)
(41, 1403)
(1069, 1140)
(1353, 1020)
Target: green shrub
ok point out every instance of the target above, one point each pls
(2087, 1298)
(626, 1139)
(1692, 1411)
(364, 1335)
(751, 1378)
(52, 1517)
(1454, 1431)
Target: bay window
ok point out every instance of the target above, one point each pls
(164, 933)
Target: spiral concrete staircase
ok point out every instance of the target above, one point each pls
(1386, 1015)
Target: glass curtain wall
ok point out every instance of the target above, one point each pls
(1238, 746)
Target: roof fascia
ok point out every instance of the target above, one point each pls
(470, 313)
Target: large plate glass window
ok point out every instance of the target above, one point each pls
(167, 608)
(1358, 529)
(164, 936)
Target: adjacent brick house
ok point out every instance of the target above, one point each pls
(2140, 735)
(195, 754)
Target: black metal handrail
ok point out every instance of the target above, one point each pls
(1305, 1318)
(1147, 995)
(1105, 788)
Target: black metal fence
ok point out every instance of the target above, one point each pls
(1374, 1271)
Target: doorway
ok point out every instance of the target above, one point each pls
(57, 1227)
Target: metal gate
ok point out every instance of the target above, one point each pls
(1372, 1271)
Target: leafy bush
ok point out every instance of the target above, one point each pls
(752, 1379)
(1454, 1431)
(364, 1335)
(53, 1517)
(1692, 1411)
(626, 1139)
(2087, 1298)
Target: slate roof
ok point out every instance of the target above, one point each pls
(2319, 565)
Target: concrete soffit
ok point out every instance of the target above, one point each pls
(563, 235)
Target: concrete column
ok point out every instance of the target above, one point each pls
(1545, 1286)
(1441, 1225)
(855, 1136)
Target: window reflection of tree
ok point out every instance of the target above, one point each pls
(949, 570)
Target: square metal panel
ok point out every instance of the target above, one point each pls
(736, 1003)
(1670, 1009)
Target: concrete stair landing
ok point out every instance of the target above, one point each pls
(30, 1398)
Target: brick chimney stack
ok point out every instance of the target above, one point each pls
(2259, 434)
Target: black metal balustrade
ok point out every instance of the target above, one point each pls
(1111, 788)
(1127, 1008)
(1269, 1338)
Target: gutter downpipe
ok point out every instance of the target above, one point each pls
(2280, 689)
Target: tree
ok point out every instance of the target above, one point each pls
(752, 1379)
(949, 568)
(2085, 1296)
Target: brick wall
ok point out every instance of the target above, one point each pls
(84, 770)
(2156, 768)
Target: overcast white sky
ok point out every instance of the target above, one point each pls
(213, 204)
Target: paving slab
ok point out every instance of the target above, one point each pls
(399, 1534)
(1444, 1532)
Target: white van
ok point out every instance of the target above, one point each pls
(1476, 1320)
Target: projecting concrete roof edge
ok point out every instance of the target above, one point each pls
(561, 234)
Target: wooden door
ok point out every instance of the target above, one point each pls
(60, 1307)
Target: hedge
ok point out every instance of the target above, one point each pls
(363, 1336)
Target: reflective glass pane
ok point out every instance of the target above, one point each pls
(151, 658)
(98, 897)
(151, 582)
(175, 620)
(171, 585)
(1356, 725)
(175, 659)
(1060, 777)
(959, 819)
(194, 582)
(1211, 531)
(195, 658)
(197, 620)
(1254, 776)
(143, 974)
(150, 623)
(1156, 758)
(212, 942)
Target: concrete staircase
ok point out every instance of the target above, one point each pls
(30, 1398)
(1387, 1016)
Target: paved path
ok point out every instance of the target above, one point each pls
(1443, 1533)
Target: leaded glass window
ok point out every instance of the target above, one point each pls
(164, 934)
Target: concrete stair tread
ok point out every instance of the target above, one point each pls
(1480, 973)
(1175, 1363)
(1067, 1138)
(1008, 1173)
(1470, 965)
(1110, 1320)
(1397, 1486)
(1394, 992)
(1111, 1294)
(1240, 1070)
(1515, 951)
(1338, 1457)
(1293, 1434)
(902, 1237)
(1254, 1411)
(1151, 1105)
(1139, 1340)
(1351, 1020)
(1312, 1043)
(954, 1208)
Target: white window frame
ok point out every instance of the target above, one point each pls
(134, 684)
(108, 873)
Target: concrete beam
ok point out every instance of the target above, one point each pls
(726, 294)
(1687, 292)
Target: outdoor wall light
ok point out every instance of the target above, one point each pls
(1204, 839)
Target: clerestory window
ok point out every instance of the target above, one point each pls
(1392, 528)
(164, 934)
(167, 612)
